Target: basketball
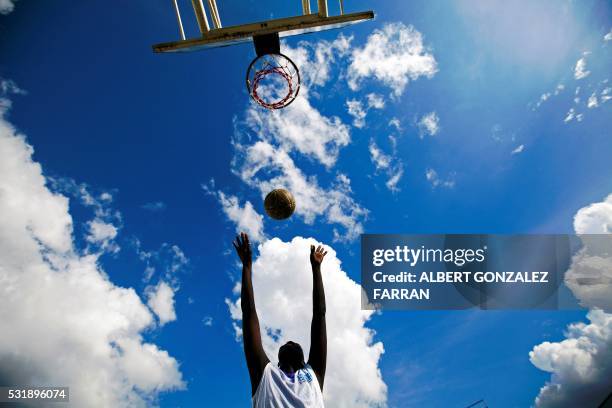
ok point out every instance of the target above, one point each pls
(279, 204)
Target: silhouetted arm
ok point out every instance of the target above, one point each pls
(317, 357)
(253, 350)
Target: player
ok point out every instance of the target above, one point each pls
(293, 383)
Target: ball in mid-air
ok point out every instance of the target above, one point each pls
(279, 204)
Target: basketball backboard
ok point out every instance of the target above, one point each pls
(218, 36)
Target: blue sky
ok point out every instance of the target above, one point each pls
(101, 109)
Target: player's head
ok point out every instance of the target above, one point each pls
(290, 357)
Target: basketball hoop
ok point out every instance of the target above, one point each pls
(273, 80)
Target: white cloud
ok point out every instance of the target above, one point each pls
(394, 55)
(88, 323)
(102, 233)
(161, 301)
(167, 262)
(519, 149)
(7, 6)
(429, 124)
(301, 127)
(592, 102)
(543, 98)
(315, 60)
(432, 176)
(392, 167)
(380, 159)
(353, 378)
(606, 94)
(207, 321)
(356, 110)
(581, 364)
(595, 218)
(8, 86)
(547, 95)
(608, 36)
(246, 218)
(580, 70)
(265, 167)
(375, 101)
(394, 177)
(590, 274)
(395, 122)
(573, 115)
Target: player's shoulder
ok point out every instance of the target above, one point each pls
(306, 374)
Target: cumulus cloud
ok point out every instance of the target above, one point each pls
(282, 282)
(429, 124)
(245, 217)
(300, 127)
(608, 36)
(92, 326)
(394, 55)
(266, 167)
(160, 299)
(595, 218)
(580, 70)
(581, 364)
(590, 274)
(432, 176)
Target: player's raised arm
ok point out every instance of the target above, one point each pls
(253, 350)
(317, 357)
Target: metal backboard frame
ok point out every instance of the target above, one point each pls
(219, 36)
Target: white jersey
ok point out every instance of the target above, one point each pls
(278, 390)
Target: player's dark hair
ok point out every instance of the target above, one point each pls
(291, 357)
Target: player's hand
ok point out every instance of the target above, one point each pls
(243, 248)
(317, 255)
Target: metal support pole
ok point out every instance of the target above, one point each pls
(178, 20)
(200, 13)
(323, 8)
(214, 13)
(306, 7)
(341, 7)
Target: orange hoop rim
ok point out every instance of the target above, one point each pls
(274, 70)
